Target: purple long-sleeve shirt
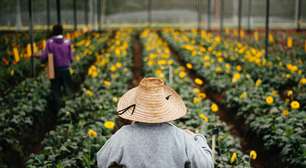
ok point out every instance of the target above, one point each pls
(61, 50)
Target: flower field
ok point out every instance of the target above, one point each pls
(251, 108)
(271, 106)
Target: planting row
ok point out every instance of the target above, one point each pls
(201, 116)
(86, 122)
(267, 94)
(25, 112)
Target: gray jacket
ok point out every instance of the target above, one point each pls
(141, 145)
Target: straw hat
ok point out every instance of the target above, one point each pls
(151, 102)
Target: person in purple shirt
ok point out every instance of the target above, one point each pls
(62, 55)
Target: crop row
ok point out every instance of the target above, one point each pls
(86, 122)
(26, 114)
(266, 94)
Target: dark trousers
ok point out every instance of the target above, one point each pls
(60, 86)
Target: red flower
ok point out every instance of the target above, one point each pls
(5, 61)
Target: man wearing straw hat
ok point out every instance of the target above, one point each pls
(151, 141)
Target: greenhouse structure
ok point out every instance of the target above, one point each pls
(153, 83)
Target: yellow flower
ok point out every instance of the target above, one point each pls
(118, 65)
(236, 77)
(269, 100)
(117, 51)
(188, 47)
(92, 71)
(287, 100)
(206, 64)
(214, 107)
(233, 157)
(274, 93)
(193, 53)
(71, 71)
(220, 59)
(238, 68)
(203, 117)
(170, 62)
(198, 81)
(292, 68)
(16, 55)
(256, 36)
(106, 83)
(189, 65)
(218, 69)
(109, 124)
(253, 155)
(12, 72)
(289, 93)
(258, 82)
(303, 80)
(92, 133)
(196, 100)
(159, 73)
(206, 58)
(202, 95)
(243, 95)
(161, 62)
(77, 58)
(89, 93)
(115, 99)
(196, 90)
(150, 62)
(289, 42)
(295, 105)
(182, 74)
(228, 68)
(113, 68)
(271, 39)
(29, 51)
(285, 113)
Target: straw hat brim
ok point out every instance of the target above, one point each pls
(173, 109)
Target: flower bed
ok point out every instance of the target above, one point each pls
(86, 121)
(247, 80)
(201, 116)
(25, 111)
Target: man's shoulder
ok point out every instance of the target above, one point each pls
(123, 131)
(67, 41)
(50, 40)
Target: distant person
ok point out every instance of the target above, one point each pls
(151, 141)
(62, 57)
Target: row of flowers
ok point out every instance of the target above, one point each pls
(12, 42)
(201, 117)
(25, 110)
(266, 93)
(286, 39)
(87, 121)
